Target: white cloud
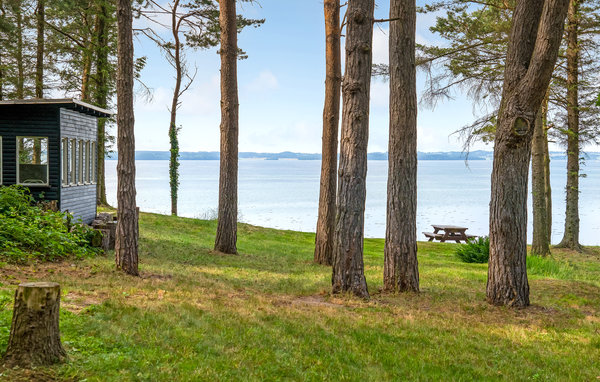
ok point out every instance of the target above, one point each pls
(381, 45)
(381, 38)
(380, 94)
(201, 99)
(265, 81)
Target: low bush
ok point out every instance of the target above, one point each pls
(28, 232)
(475, 251)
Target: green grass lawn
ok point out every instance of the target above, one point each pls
(267, 314)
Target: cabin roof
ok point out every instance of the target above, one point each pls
(69, 103)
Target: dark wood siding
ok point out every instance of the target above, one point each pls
(79, 200)
(33, 121)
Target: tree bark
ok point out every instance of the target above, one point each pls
(34, 334)
(548, 186)
(86, 72)
(20, 88)
(173, 139)
(533, 47)
(401, 269)
(39, 63)
(126, 245)
(331, 121)
(87, 52)
(1, 78)
(541, 239)
(101, 94)
(348, 268)
(571, 236)
(226, 237)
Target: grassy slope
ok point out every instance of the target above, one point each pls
(267, 315)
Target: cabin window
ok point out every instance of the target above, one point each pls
(65, 161)
(84, 159)
(80, 162)
(94, 162)
(32, 154)
(72, 163)
(88, 161)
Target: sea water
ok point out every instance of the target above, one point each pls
(285, 193)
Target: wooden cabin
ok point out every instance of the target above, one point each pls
(50, 146)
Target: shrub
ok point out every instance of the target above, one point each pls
(475, 251)
(27, 232)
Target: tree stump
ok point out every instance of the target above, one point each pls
(34, 335)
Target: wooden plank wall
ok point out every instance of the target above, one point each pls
(79, 200)
(33, 121)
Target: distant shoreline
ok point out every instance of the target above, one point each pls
(286, 155)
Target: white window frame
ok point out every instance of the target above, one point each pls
(47, 184)
(84, 162)
(73, 163)
(94, 163)
(64, 154)
(88, 163)
(80, 162)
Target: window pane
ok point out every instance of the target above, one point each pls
(72, 170)
(84, 159)
(94, 163)
(88, 162)
(80, 162)
(65, 161)
(33, 160)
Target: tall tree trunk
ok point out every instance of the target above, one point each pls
(20, 88)
(39, 62)
(173, 139)
(541, 241)
(1, 77)
(86, 71)
(533, 47)
(226, 237)
(348, 267)
(101, 94)
(401, 269)
(571, 235)
(548, 187)
(126, 245)
(331, 121)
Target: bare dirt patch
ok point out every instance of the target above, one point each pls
(16, 274)
(75, 302)
(155, 276)
(314, 301)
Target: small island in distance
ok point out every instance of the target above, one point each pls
(287, 155)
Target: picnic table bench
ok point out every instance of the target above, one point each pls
(450, 232)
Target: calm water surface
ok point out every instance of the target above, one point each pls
(284, 194)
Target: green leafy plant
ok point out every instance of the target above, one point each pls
(28, 232)
(475, 251)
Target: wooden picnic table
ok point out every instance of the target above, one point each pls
(449, 232)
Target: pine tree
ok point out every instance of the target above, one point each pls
(532, 51)
(401, 270)
(348, 266)
(331, 120)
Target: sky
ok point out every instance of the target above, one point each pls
(281, 88)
